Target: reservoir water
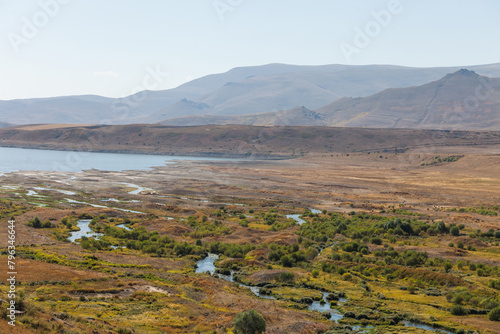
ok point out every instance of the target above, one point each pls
(20, 159)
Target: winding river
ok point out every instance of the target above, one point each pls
(299, 220)
(85, 231)
(208, 265)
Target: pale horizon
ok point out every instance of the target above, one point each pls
(73, 47)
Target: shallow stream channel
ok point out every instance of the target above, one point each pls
(207, 265)
(86, 231)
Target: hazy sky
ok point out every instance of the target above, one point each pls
(109, 47)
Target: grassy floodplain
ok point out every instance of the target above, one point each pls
(391, 241)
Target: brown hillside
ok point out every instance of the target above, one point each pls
(237, 140)
(461, 100)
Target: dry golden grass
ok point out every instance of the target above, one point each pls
(478, 322)
(5, 328)
(34, 271)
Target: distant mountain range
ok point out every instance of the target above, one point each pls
(337, 95)
(4, 125)
(461, 100)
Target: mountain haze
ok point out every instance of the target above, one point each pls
(312, 88)
(461, 100)
(240, 91)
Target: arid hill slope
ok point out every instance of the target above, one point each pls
(236, 140)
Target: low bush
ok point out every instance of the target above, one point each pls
(458, 310)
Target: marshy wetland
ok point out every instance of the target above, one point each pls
(373, 243)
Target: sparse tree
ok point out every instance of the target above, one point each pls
(441, 227)
(36, 222)
(447, 266)
(285, 261)
(315, 273)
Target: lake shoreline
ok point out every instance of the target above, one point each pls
(17, 159)
(215, 155)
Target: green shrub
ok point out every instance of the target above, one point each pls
(285, 261)
(285, 277)
(249, 322)
(341, 271)
(494, 314)
(458, 310)
(36, 223)
(494, 284)
(124, 331)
